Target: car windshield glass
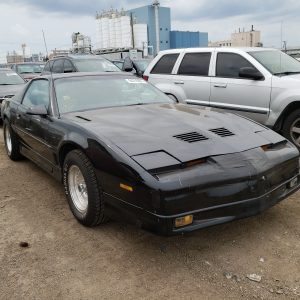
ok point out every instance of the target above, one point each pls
(142, 64)
(30, 68)
(10, 78)
(91, 92)
(277, 62)
(95, 65)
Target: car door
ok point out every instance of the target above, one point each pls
(231, 92)
(32, 128)
(161, 74)
(192, 76)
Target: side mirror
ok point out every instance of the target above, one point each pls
(39, 110)
(128, 65)
(250, 73)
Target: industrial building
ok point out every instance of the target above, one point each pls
(241, 38)
(146, 29)
(188, 39)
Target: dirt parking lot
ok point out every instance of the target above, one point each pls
(65, 260)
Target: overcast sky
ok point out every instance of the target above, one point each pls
(22, 21)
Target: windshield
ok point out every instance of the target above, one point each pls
(277, 62)
(30, 68)
(91, 92)
(10, 78)
(95, 65)
(142, 64)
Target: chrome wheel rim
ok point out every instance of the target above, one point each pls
(295, 132)
(8, 140)
(78, 189)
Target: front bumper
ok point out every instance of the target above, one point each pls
(205, 217)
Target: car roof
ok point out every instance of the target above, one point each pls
(6, 70)
(31, 63)
(85, 74)
(226, 49)
(78, 56)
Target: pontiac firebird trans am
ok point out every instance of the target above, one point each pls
(125, 150)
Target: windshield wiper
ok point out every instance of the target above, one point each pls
(287, 73)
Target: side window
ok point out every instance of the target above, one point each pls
(229, 64)
(165, 64)
(37, 93)
(195, 64)
(68, 66)
(58, 66)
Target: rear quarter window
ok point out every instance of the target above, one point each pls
(165, 64)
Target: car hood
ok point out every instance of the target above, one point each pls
(9, 90)
(179, 131)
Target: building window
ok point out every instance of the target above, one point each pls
(160, 29)
(167, 42)
(161, 42)
(166, 29)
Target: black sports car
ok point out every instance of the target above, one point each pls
(124, 150)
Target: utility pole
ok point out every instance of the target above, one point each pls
(156, 5)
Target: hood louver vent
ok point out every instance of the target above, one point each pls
(222, 132)
(191, 137)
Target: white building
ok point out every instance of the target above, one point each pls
(115, 30)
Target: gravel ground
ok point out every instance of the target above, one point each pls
(65, 260)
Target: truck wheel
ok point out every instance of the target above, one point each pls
(82, 189)
(291, 128)
(11, 142)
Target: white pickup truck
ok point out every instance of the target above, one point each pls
(260, 83)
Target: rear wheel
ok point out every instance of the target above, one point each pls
(82, 189)
(12, 145)
(291, 128)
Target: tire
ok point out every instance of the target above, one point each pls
(82, 190)
(291, 128)
(11, 142)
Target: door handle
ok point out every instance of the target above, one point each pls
(220, 85)
(179, 82)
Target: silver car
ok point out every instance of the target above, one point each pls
(260, 83)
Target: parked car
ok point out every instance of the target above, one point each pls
(79, 63)
(28, 70)
(123, 149)
(138, 65)
(10, 84)
(262, 84)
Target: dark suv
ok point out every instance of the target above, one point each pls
(79, 63)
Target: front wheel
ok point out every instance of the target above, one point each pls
(82, 189)
(12, 145)
(291, 128)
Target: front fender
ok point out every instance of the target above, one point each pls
(280, 101)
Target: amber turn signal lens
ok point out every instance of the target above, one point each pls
(126, 187)
(183, 221)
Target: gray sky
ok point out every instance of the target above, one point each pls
(22, 21)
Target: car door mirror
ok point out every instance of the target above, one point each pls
(250, 73)
(38, 110)
(128, 65)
